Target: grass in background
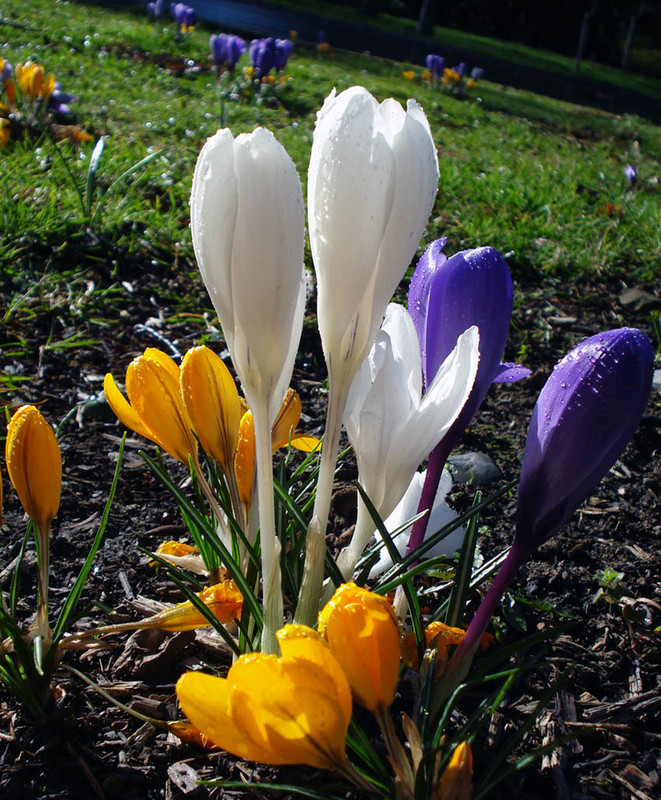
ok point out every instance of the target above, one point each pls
(539, 179)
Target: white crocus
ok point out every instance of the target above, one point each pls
(391, 425)
(407, 509)
(372, 181)
(248, 230)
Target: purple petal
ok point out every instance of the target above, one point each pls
(584, 417)
(508, 372)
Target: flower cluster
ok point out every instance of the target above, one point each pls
(226, 50)
(454, 78)
(269, 54)
(31, 98)
(184, 17)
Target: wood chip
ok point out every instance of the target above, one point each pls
(184, 777)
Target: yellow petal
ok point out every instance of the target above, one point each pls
(244, 459)
(308, 444)
(363, 634)
(123, 410)
(212, 402)
(286, 421)
(34, 464)
(456, 781)
(290, 710)
(152, 384)
(224, 600)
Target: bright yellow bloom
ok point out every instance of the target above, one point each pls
(450, 77)
(224, 600)
(5, 131)
(156, 410)
(33, 82)
(362, 632)
(456, 781)
(471, 83)
(409, 74)
(34, 465)
(440, 637)
(212, 402)
(172, 548)
(293, 709)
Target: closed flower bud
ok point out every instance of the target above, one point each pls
(34, 465)
(456, 781)
(362, 632)
(583, 419)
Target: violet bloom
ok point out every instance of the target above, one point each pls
(283, 49)
(155, 9)
(226, 50)
(236, 47)
(583, 419)
(460, 69)
(446, 297)
(59, 102)
(435, 64)
(631, 174)
(262, 55)
(183, 15)
(5, 72)
(477, 73)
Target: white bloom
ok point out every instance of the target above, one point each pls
(441, 515)
(248, 230)
(391, 425)
(372, 181)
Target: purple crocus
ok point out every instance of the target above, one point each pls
(477, 73)
(183, 15)
(60, 102)
(631, 174)
(584, 417)
(226, 50)
(460, 69)
(155, 9)
(435, 64)
(446, 297)
(283, 49)
(262, 55)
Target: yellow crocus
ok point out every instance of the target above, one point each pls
(34, 465)
(33, 82)
(292, 709)
(212, 402)
(5, 131)
(155, 409)
(456, 781)
(363, 634)
(244, 459)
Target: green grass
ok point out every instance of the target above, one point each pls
(540, 180)
(512, 52)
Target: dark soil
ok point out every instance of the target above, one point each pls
(87, 748)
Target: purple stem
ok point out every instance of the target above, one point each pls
(460, 661)
(436, 463)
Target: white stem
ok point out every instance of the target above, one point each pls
(310, 592)
(272, 602)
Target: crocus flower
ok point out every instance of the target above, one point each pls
(283, 49)
(294, 709)
(262, 55)
(435, 65)
(247, 225)
(33, 81)
(457, 776)
(477, 73)
(212, 402)
(155, 9)
(441, 515)
(226, 50)
(363, 634)
(34, 464)
(584, 417)
(60, 101)
(631, 174)
(391, 425)
(183, 15)
(372, 181)
(154, 409)
(446, 296)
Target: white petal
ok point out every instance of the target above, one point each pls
(214, 203)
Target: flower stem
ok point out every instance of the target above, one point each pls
(272, 601)
(435, 466)
(43, 540)
(310, 592)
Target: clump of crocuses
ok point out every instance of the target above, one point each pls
(452, 78)
(226, 50)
